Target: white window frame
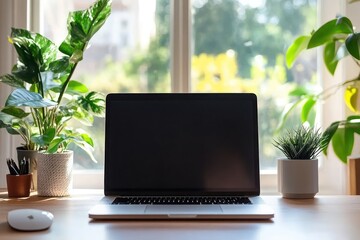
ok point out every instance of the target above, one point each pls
(332, 172)
(12, 14)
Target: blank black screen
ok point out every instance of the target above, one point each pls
(181, 144)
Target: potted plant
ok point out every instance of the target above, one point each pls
(298, 171)
(46, 98)
(339, 40)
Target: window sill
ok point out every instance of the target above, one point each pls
(94, 179)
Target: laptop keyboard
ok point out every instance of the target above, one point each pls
(181, 200)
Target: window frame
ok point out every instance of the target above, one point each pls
(26, 14)
(12, 13)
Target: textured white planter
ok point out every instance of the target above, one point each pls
(298, 178)
(55, 174)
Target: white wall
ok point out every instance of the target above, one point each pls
(12, 14)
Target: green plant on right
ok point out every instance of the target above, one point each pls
(301, 143)
(339, 40)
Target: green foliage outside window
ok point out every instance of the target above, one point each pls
(250, 40)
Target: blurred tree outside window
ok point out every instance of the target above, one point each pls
(238, 46)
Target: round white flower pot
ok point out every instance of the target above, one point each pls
(298, 178)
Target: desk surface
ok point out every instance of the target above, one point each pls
(325, 217)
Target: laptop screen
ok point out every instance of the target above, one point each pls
(181, 144)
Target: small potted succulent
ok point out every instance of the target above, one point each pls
(298, 171)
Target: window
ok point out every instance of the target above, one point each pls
(235, 46)
(125, 55)
(239, 46)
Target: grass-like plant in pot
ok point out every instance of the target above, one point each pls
(45, 97)
(301, 143)
(298, 171)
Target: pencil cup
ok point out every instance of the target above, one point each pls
(18, 185)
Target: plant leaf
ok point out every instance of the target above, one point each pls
(16, 112)
(82, 25)
(6, 119)
(93, 102)
(299, 91)
(54, 144)
(87, 148)
(46, 138)
(352, 45)
(22, 97)
(345, 23)
(329, 133)
(330, 57)
(334, 29)
(76, 87)
(77, 56)
(34, 50)
(354, 123)
(48, 81)
(86, 138)
(12, 81)
(342, 52)
(285, 113)
(83, 116)
(295, 49)
(308, 105)
(25, 73)
(84, 141)
(342, 143)
(60, 65)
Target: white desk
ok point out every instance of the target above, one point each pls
(322, 218)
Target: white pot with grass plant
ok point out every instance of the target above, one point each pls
(298, 170)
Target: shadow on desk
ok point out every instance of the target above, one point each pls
(177, 221)
(4, 226)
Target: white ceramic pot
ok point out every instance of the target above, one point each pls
(298, 178)
(55, 174)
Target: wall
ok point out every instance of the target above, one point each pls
(12, 14)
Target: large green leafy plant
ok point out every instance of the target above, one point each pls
(339, 40)
(45, 96)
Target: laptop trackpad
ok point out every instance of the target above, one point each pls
(183, 209)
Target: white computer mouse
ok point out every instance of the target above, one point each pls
(30, 219)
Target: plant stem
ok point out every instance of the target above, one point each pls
(37, 120)
(66, 83)
(335, 88)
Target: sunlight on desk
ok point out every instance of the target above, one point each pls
(324, 217)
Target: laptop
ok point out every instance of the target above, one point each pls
(181, 156)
